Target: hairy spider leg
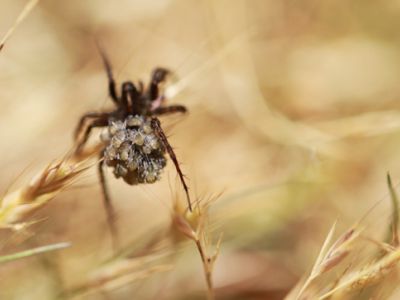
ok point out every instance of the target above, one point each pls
(141, 87)
(156, 125)
(86, 117)
(158, 76)
(108, 205)
(111, 82)
(130, 97)
(101, 121)
(171, 109)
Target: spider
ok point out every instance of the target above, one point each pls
(135, 145)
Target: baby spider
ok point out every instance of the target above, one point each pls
(135, 145)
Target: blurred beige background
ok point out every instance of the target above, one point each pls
(294, 116)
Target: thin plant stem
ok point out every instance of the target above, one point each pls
(25, 11)
(207, 270)
(34, 251)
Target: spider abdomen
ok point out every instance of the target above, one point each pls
(133, 150)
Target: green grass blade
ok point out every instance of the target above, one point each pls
(34, 251)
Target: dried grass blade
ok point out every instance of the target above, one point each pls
(34, 251)
(339, 250)
(321, 255)
(324, 249)
(393, 235)
(23, 14)
(367, 276)
(18, 205)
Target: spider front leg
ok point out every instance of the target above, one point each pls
(171, 109)
(156, 125)
(130, 97)
(108, 205)
(158, 76)
(101, 121)
(111, 82)
(83, 120)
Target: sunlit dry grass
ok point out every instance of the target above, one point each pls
(16, 206)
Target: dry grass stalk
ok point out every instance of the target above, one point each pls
(34, 251)
(371, 274)
(330, 257)
(23, 14)
(387, 261)
(393, 236)
(119, 273)
(126, 267)
(15, 207)
(193, 226)
(375, 271)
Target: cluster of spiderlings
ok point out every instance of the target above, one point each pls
(134, 151)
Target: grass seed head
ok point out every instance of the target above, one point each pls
(16, 206)
(371, 274)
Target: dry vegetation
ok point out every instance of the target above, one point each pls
(294, 123)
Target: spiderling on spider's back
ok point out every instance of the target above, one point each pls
(135, 152)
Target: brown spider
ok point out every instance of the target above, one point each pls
(135, 144)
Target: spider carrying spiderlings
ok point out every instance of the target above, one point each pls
(135, 145)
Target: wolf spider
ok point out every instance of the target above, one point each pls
(135, 145)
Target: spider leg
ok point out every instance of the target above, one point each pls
(158, 76)
(141, 87)
(86, 117)
(130, 96)
(155, 124)
(162, 110)
(108, 205)
(111, 82)
(99, 122)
